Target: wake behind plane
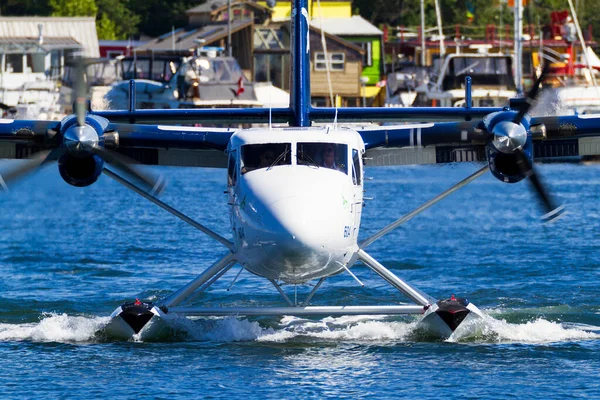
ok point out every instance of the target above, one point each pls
(295, 193)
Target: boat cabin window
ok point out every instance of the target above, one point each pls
(217, 70)
(235, 69)
(487, 102)
(257, 156)
(14, 63)
(141, 68)
(222, 73)
(327, 155)
(160, 70)
(482, 70)
(204, 70)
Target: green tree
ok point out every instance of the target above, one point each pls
(454, 12)
(116, 20)
(106, 28)
(73, 8)
(158, 16)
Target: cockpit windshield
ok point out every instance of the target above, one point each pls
(257, 156)
(325, 155)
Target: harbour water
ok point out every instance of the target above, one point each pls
(70, 256)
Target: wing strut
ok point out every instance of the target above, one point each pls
(205, 277)
(409, 291)
(170, 209)
(422, 208)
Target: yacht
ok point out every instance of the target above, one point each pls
(172, 80)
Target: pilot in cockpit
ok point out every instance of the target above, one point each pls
(329, 156)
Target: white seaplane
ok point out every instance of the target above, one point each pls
(295, 193)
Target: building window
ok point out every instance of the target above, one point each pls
(114, 53)
(274, 68)
(14, 63)
(368, 53)
(269, 38)
(336, 61)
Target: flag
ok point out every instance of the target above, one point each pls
(240, 88)
(470, 11)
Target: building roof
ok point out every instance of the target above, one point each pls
(80, 29)
(214, 5)
(209, 6)
(121, 43)
(22, 45)
(187, 37)
(353, 26)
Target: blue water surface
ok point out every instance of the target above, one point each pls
(70, 256)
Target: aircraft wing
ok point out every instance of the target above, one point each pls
(436, 143)
(173, 145)
(284, 115)
(147, 144)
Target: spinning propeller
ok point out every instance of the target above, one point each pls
(510, 137)
(79, 145)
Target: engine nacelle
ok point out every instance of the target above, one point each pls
(508, 138)
(80, 171)
(503, 166)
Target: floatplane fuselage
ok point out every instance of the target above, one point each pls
(295, 198)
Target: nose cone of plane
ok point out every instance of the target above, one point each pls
(315, 219)
(301, 219)
(305, 205)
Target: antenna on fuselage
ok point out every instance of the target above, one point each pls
(336, 112)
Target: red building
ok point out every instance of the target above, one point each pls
(114, 48)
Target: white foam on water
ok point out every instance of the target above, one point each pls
(381, 329)
(350, 328)
(55, 328)
(538, 331)
(229, 329)
(232, 329)
(65, 328)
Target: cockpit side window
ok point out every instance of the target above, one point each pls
(232, 169)
(325, 155)
(257, 156)
(356, 171)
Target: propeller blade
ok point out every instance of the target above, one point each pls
(80, 91)
(152, 183)
(532, 94)
(552, 210)
(32, 164)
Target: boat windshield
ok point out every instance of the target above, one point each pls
(223, 70)
(155, 69)
(258, 156)
(482, 70)
(325, 155)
